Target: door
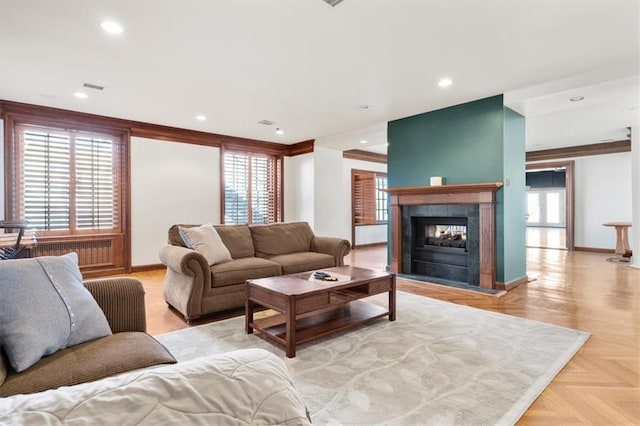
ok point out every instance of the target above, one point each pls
(546, 207)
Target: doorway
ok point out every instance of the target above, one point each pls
(550, 205)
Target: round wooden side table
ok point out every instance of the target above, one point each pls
(622, 240)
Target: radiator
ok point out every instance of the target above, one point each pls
(91, 253)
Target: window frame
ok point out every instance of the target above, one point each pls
(15, 114)
(278, 202)
(370, 211)
(15, 207)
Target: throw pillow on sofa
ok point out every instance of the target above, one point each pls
(206, 241)
(44, 308)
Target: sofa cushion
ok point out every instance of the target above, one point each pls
(238, 240)
(238, 271)
(206, 241)
(307, 261)
(281, 238)
(45, 307)
(89, 361)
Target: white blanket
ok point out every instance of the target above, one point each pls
(243, 387)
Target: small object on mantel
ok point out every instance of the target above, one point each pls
(623, 251)
(436, 180)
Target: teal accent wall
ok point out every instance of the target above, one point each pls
(514, 193)
(478, 141)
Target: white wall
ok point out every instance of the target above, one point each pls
(603, 194)
(2, 215)
(318, 190)
(367, 234)
(170, 183)
(331, 209)
(299, 188)
(634, 238)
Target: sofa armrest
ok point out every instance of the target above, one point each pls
(188, 276)
(122, 301)
(336, 247)
(183, 260)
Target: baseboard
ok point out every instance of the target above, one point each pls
(147, 268)
(512, 284)
(359, 246)
(594, 249)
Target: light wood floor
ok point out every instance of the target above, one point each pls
(544, 237)
(600, 385)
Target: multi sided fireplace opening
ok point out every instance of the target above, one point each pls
(439, 248)
(440, 242)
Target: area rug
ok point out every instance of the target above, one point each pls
(437, 364)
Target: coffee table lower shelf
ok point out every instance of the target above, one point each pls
(320, 324)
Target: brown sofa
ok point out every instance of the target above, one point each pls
(194, 288)
(128, 348)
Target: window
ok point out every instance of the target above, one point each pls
(369, 201)
(67, 182)
(382, 210)
(252, 188)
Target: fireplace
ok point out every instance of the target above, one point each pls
(445, 232)
(441, 242)
(439, 248)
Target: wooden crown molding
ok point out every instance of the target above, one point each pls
(300, 148)
(359, 154)
(20, 111)
(580, 151)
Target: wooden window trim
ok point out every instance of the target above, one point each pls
(12, 123)
(368, 217)
(278, 179)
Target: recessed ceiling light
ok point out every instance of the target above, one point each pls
(81, 95)
(200, 117)
(111, 27)
(363, 141)
(576, 99)
(279, 131)
(445, 82)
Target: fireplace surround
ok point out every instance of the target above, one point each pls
(441, 241)
(432, 201)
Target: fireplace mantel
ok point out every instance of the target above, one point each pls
(469, 193)
(482, 194)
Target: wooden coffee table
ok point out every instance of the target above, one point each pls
(310, 308)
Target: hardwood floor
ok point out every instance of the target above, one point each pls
(545, 237)
(581, 290)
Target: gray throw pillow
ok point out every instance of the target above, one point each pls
(44, 307)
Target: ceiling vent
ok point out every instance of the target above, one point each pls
(332, 3)
(265, 122)
(93, 86)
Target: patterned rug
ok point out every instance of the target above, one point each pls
(437, 364)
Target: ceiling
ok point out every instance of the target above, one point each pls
(311, 68)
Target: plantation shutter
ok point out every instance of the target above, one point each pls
(97, 189)
(67, 181)
(251, 188)
(364, 198)
(44, 179)
(263, 200)
(236, 188)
